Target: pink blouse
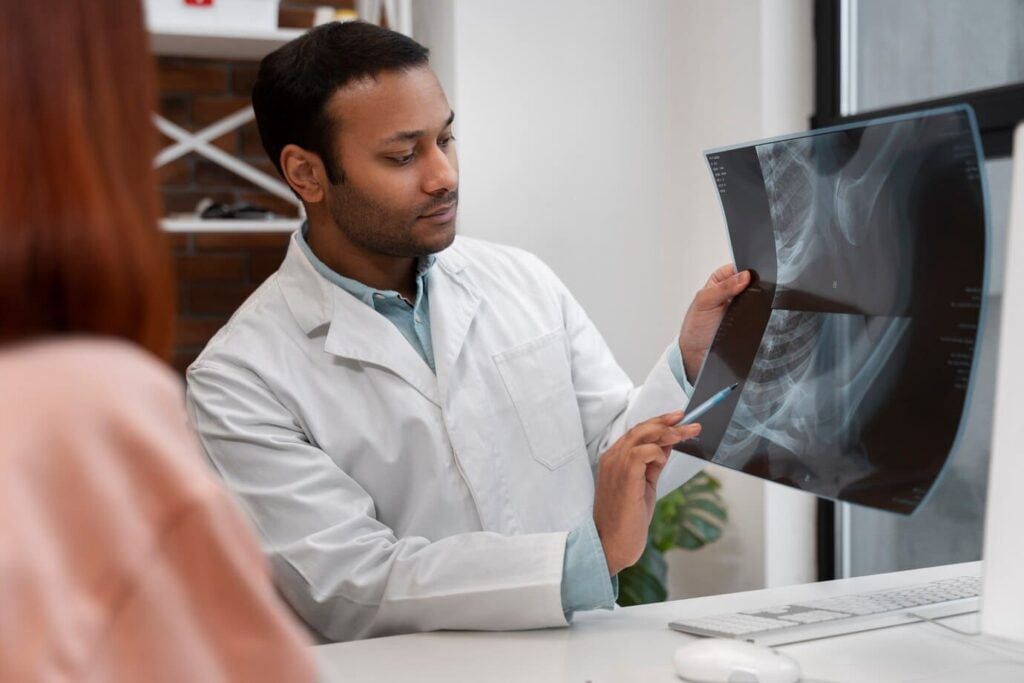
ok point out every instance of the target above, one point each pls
(121, 559)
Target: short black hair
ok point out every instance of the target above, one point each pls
(295, 81)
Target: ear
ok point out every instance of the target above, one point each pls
(304, 172)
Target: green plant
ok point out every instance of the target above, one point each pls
(690, 517)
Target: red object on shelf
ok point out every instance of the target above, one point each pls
(199, 3)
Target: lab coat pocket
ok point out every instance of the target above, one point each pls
(538, 378)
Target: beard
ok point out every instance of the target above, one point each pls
(385, 230)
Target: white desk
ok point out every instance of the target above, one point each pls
(635, 644)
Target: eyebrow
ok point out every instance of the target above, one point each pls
(406, 135)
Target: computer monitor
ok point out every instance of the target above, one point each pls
(1002, 612)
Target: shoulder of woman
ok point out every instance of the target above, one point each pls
(86, 371)
(109, 401)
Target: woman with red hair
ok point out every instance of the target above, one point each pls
(120, 557)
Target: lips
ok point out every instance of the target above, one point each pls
(440, 210)
(442, 214)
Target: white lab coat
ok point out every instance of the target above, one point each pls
(390, 499)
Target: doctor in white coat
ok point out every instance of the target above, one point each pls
(413, 421)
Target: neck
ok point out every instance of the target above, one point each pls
(373, 269)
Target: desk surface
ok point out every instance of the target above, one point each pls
(635, 644)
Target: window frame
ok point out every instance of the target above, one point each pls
(998, 111)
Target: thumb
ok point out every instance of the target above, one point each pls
(724, 291)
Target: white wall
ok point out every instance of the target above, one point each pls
(787, 77)
(580, 127)
(578, 145)
(433, 25)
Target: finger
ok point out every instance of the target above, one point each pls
(651, 431)
(721, 274)
(689, 431)
(655, 468)
(678, 434)
(739, 281)
(643, 456)
(653, 472)
(665, 419)
(682, 433)
(723, 292)
(670, 438)
(669, 418)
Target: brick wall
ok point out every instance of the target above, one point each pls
(216, 272)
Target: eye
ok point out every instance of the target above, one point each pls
(403, 159)
(443, 142)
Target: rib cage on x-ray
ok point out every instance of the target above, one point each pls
(806, 388)
(803, 200)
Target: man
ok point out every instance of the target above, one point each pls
(414, 420)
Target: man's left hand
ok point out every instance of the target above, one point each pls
(705, 313)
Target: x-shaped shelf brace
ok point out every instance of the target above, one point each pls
(199, 142)
(399, 16)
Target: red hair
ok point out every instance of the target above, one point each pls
(80, 248)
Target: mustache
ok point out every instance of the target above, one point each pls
(431, 206)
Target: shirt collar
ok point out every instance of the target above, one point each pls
(357, 289)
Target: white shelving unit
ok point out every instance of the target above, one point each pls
(214, 43)
(220, 44)
(230, 225)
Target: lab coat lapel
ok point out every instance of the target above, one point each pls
(454, 301)
(362, 334)
(355, 330)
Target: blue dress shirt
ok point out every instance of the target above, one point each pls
(586, 583)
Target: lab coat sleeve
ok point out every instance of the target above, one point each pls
(609, 404)
(342, 570)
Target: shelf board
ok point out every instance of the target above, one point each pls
(230, 225)
(216, 44)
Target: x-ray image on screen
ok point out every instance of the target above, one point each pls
(854, 344)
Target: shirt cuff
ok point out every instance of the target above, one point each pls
(585, 580)
(675, 364)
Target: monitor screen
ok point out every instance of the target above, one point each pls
(853, 347)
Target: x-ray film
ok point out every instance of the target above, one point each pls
(853, 347)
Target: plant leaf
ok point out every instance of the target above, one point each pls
(711, 507)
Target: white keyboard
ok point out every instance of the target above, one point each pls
(842, 614)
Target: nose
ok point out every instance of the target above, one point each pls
(441, 172)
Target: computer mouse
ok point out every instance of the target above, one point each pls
(720, 660)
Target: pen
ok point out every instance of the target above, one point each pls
(706, 405)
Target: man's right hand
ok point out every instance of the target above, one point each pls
(627, 478)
